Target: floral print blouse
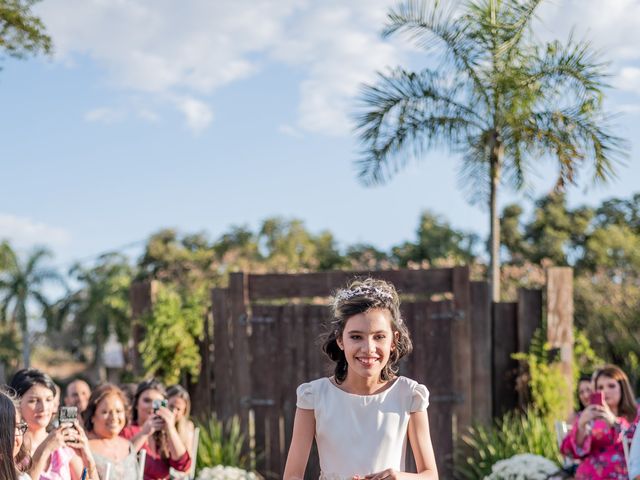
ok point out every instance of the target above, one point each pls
(601, 454)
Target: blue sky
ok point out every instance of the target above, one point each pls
(200, 115)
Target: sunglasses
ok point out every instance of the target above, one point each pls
(21, 428)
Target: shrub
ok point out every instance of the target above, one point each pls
(221, 444)
(513, 434)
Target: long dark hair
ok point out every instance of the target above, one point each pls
(360, 296)
(8, 470)
(159, 437)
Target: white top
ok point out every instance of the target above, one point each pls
(361, 434)
(634, 455)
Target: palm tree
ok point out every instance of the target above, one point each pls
(22, 284)
(499, 98)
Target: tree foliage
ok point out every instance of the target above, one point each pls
(173, 327)
(21, 32)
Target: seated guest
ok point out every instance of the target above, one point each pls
(180, 405)
(583, 392)
(78, 393)
(596, 435)
(104, 419)
(62, 453)
(153, 429)
(13, 452)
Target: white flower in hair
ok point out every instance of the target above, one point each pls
(362, 291)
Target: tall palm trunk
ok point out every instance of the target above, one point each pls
(497, 152)
(24, 326)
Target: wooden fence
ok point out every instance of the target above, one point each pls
(262, 343)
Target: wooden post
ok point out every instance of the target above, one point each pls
(560, 321)
(224, 397)
(141, 295)
(238, 306)
(461, 332)
(529, 316)
(481, 351)
(505, 341)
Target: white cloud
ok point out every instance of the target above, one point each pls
(289, 131)
(162, 49)
(25, 232)
(628, 79)
(104, 115)
(197, 114)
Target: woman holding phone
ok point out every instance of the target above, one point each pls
(596, 435)
(153, 428)
(61, 454)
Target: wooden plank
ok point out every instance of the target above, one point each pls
(560, 321)
(462, 362)
(238, 306)
(322, 284)
(224, 397)
(141, 297)
(529, 316)
(505, 342)
(202, 390)
(481, 351)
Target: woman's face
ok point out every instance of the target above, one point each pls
(585, 389)
(19, 434)
(178, 406)
(145, 404)
(36, 407)
(110, 417)
(611, 390)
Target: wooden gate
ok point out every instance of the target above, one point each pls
(265, 344)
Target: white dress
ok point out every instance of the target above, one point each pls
(361, 434)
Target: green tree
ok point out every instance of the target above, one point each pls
(173, 329)
(101, 306)
(21, 32)
(22, 284)
(436, 241)
(501, 99)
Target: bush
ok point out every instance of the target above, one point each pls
(221, 444)
(513, 434)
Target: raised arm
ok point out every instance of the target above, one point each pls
(304, 428)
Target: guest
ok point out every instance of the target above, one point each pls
(64, 452)
(583, 393)
(13, 452)
(180, 405)
(596, 435)
(153, 429)
(78, 393)
(104, 419)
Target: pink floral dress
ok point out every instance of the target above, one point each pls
(601, 454)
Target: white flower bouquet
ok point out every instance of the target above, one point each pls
(524, 466)
(225, 473)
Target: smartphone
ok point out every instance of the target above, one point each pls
(157, 404)
(596, 398)
(67, 414)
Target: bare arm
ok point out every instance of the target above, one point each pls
(176, 446)
(304, 429)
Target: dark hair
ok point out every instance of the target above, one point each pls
(27, 378)
(160, 437)
(583, 378)
(627, 407)
(361, 296)
(8, 408)
(99, 394)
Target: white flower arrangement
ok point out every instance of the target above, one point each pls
(524, 466)
(225, 473)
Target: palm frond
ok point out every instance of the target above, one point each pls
(430, 24)
(473, 174)
(36, 256)
(410, 111)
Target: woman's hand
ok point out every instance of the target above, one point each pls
(153, 424)
(605, 413)
(589, 414)
(57, 438)
(168, 418)
(79, 441)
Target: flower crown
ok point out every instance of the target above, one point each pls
(363, 291)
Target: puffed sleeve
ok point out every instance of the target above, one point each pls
(305, 396)
(419, 398)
